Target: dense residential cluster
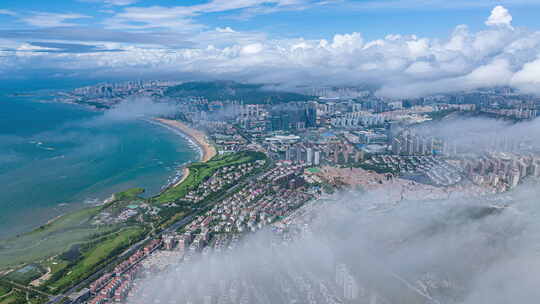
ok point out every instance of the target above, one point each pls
(261, 202)
(264, 200)
(501, 171)
(121, 213)
(222, 178)
(109, 94)
(426, 169)
(115, 286)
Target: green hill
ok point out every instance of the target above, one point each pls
(223, 90)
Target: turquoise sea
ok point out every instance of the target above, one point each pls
(55, 158)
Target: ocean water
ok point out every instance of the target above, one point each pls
(55, 158)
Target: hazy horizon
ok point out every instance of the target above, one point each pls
(462, 46)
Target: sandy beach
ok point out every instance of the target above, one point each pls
(208, 151)
(185, 174)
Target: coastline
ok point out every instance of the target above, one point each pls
(185, 174)
(197, 137)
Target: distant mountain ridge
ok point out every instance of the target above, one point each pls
(223, 90)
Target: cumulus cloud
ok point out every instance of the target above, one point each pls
(252, 49)
(399, 65)
(528, 78)
(500, 16)
(439, 4)
(225, 30)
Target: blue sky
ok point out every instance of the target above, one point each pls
(383, 42)
(279, 18)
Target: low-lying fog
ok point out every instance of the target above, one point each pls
(360, 249)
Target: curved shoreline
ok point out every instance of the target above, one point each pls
(185, 174)
(197, 137)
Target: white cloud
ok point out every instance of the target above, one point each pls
(52, 20)
(225, 30)
(428, 5)
(181, 17)
(7, 12)
(420, 68)
(528, 78)
(112, 2)
(252, 49)
(29, 47)
(120, 2)
(401, 65)
(154, 17)
(349, 41)
(500, 16)
(418, 48)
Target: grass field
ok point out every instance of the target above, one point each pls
(198, 172)
(172, 219)
(26, 274)
(4, 290)
(51, 239)
(96, 256)
(19, 297)
(128, 194)
(56, 265)
(59, 235)
(14, 298)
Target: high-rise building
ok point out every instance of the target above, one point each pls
(317, 158)
(513, 177)
(288, 154)
(409, 145)
(285, 121)
(417, 145)
(350, 288)
(309, 156)
(311, 115)
(341, 273)
(301, 155)
(275, 123)
(396, 146)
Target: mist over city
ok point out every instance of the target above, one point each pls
(269, 152)
(364, 248)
